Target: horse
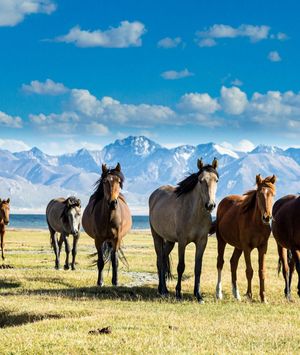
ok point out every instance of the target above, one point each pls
(243, 221)
(107, 219)
(182, 214)
(4, 221)
(286, 231)
(64, 217)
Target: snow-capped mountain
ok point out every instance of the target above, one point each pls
(31, 178)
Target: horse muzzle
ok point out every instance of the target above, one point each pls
(113, 205)
(210, 206)
(266, 219)
(6, 223)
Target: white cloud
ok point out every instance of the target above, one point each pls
(10, 121)
(49, 87)
(128, 34)
(201, 103)
(236, 82)
(97, 129)
(280, 36)
(174, 75)
(207, 42)
(108, 109)
(207, 38)
(168, 42)
(233, 100)
(13, 12)
(65, 122)
(274, 56)
(13, 145)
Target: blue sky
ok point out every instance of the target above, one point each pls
(77, 73)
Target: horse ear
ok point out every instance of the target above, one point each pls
(104, 168)
(118, 167)
(8, 200)
(273, 179)
(200, 164)
(214, 164)
(258, 179)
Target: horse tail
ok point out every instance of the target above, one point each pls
(213, 228)
(107, 249)
(169, 275)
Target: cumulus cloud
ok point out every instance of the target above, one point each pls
(207, 37)
(49, 87)
(61, 123)
(233, 100)
(13, 12)
(237, 82)
(128, 34)
(274, 56)
(97, 129)
(10, 121)
(13, 145)
(174, 75)
(201, 103)
(168, 42)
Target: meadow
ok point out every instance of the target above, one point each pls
(45, 311)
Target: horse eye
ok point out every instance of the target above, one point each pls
(217, 180)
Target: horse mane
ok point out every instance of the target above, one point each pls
(69, 203)
(190, 182)
(99, 190)
(250, 196)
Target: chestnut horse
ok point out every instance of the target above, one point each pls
(244, 222)
(182, 214)
(286, 231)
(4, 221)
(107, 219)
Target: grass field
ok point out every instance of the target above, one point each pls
(45, 311)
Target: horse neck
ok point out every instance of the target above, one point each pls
(197, 201)
(256, 214)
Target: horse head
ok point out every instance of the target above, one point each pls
(112, 180)
(265, 195)
(71, 214)
(208, 178)
(4, 211)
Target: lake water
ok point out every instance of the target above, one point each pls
(38, 221)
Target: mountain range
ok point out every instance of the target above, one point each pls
(31, 178)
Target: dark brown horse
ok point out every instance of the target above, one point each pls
(244, 222)
(4, 221)
(286, 231)
(107, 218)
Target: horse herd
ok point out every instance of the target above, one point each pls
(182, 215)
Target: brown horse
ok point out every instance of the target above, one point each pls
(286, 231)
(4, 221)
(107, 219)
(244, 222)
(182, 214)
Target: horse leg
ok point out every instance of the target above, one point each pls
(200, 247)
(291, 263)
(159, 249)
(74, 251)
(168, 247)
(2, 244)
(54, 242)
(283, 258)
(180, 269)
(220, 263)
(296, 255)
(249, 272)
(100, 264)
(67, 249)
(234, 261)
(262, 250)
(115, 263)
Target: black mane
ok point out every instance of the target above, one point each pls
(99, 191)
(190, 182)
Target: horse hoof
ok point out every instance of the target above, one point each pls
(56, 267)
(200, 300)
(264, 301)
(66, 267)
(73, 268)
(100, 284)
(219, 296)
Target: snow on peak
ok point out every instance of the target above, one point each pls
(225, 151)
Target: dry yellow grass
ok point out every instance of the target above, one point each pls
(44, 311)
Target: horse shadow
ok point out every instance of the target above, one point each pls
(10, 319)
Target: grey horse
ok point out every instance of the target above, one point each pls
(64, 217)
(182, 214)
